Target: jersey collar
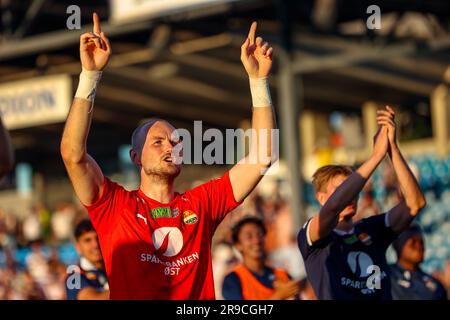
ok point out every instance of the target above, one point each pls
(344, 233)
(86, 265)
(155, 202)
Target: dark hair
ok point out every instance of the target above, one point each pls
(399, 243)
(82, 227)
(246, 220)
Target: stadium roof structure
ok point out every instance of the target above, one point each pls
(185, 65)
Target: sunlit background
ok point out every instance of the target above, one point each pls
(179, 60)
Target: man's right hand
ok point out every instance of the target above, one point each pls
(285, 290)
(381, 143)
(95, 49)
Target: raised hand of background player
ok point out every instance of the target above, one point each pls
(381, 142)
(387, 118)
(256, 55)
(95, 49)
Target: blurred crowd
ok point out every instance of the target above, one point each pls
(35, 252)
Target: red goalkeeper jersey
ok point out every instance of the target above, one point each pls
(156, 250)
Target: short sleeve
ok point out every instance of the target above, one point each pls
(379, 227)
(231, 288)
(103, 212)
(219, 197)
(304, 242)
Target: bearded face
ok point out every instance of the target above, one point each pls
(156, 157)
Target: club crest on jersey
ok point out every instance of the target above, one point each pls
(189, 217)
(365, 238)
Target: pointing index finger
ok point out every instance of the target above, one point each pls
(96, 19)
(252, 32)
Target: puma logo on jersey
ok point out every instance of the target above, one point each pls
(138, 215)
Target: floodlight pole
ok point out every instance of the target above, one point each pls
(289, 108)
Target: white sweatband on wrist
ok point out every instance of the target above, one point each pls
(259, 88)
(87, 86)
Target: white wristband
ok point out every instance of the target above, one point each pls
(259, 88)
(87, 86)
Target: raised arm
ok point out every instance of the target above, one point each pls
(84, 172)
(6, 152)
(413, 200)
(256, 56)
(327, 219)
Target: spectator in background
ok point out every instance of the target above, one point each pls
(92, 283)
(6, 151)
(55, 288)
(62, 222)
(27, 288)
(367, 205)
(253, 279)
(37, 264)
(44, 219)
(284, 253)
(224, 260)
(408, 281)
(32, 228)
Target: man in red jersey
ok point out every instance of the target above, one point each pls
(156, 243)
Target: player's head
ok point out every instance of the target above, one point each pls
(152, 144)
(326, 180)
(248, 237)
(410, 246)
(86, 242)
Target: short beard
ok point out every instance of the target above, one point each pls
(160, 175)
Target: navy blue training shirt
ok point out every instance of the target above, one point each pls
(88, 277)
(340, 266)
(408, 285)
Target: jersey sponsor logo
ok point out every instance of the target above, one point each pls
(189, 217)
(358, 262)
(168, 241)
(160, 212)
(361, 264)
(171, 268)
(164, 212)
(350, 239)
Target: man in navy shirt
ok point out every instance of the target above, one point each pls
(408, 281)
(88, 280)
(346, 260)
